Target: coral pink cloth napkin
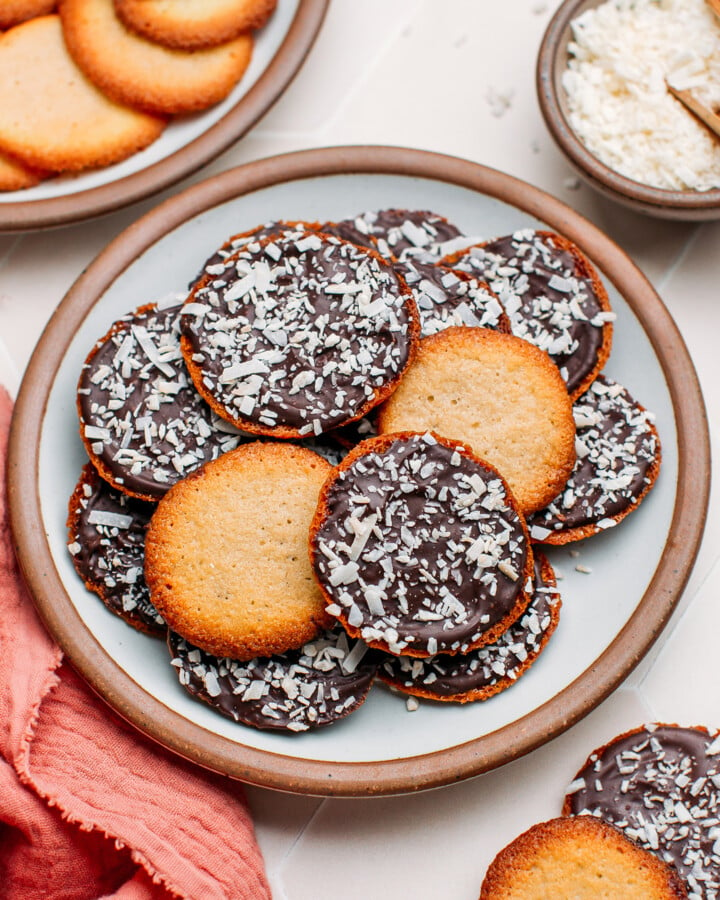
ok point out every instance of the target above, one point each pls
(88, 807)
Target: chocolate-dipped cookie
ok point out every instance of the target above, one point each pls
(487, 671)
(660, 785)
(300, 335)
(215, 263)
(106, 540)
(419, 547)
(401, 234)
(142, 422)
(316, 685)
(553, 295)
(446, 297)
(618, 461)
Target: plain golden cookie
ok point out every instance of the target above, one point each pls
(501, 396)
(226, 553)
(13, 12)
(14, 176)
(190, 24)
(578, 858)
(54, 118)
(141, 73)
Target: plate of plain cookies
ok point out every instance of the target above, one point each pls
(358, 470)
(109, 101)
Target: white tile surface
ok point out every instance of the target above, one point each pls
(457, 78)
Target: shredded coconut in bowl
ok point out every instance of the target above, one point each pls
(620, 56)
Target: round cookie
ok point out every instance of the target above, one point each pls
(446, 297)
(106, 540)
(226, 555)
(54, 118)
(418, 547)
(322, 682)
(215, 263)
(14, 176)
(491, 669)
(580, 858)
(143, 423)
(13, 12)
(402, 234)
(501, 396)
(660, 785)
(142, 74)
(299, 334)
(553, 295)
(618, 461)
(191, 24)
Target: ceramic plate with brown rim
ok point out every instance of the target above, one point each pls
(187, 143)
(617, 594)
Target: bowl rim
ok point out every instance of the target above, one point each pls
(602, 177)
(316, 777)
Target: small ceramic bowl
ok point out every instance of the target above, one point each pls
(552, 61)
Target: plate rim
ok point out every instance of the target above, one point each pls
(394, 776)
(50, 212)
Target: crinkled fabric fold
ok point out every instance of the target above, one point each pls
(89, 808)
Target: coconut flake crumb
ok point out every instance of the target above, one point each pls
(620, 55)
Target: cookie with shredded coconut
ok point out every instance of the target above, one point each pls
(324, 681)
(142, 422)
(553, 295)
(299, 334)
(403, 234)
(106, 541)
(447, 297)
(419, 548)
(618, 461)
(660, 785)
(493, 668)
(499, 394)
(580, 858)
(215, 264)
(226, 555)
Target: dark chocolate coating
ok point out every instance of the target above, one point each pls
(155, 427)
(303, 333)
(618, 449)
(445, 298)
(660, 785)
(400, 234)
(216, 262)
(419, 546)
(110, 558)
(548, 295)
(296, 691)
(491, 668)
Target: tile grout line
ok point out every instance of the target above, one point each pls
(298, 837)
(682, 253)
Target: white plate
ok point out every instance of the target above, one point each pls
(188, 141)
(609, 618)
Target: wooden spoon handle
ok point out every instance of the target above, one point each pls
(714, 6)
(704, 113)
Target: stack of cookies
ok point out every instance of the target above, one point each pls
(90, 82)
(338, 455)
